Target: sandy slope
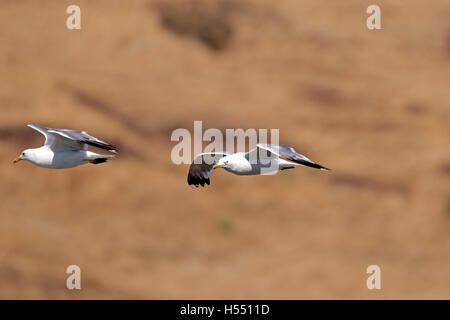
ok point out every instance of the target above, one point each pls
(372, 105)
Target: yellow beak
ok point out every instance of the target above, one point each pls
(217, 166)
(17, 159)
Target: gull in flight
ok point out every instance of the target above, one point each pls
(264, 159)
(65, 149)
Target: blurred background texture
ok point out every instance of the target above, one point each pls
(372, 105)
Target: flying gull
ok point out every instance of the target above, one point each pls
(264, 159)
(65, 149)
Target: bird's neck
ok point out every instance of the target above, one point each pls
(40, 155)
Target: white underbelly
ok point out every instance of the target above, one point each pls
(256, 169)
(63, 160)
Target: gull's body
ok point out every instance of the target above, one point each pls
(264, 159)
(65, 149)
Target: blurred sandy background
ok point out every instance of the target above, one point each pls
(372, 105)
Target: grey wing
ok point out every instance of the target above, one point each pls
(261, 153)
(202, 167)
(81, 140)
(288, 153)
(49, 138)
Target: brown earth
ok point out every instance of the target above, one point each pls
(372, 105)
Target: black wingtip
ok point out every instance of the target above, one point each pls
(318, 166)
(194, 181)
(107, 147)
(98, 160)
(311, 165)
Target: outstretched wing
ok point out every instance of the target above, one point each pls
(202, 166)
(63, 139)
(288, 153)
(83, 137)
(49, 138)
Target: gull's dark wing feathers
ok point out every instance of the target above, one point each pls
(70, 139)
(201, 168)
(288, 153)
(84, 137)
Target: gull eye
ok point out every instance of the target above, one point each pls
(23, 153)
